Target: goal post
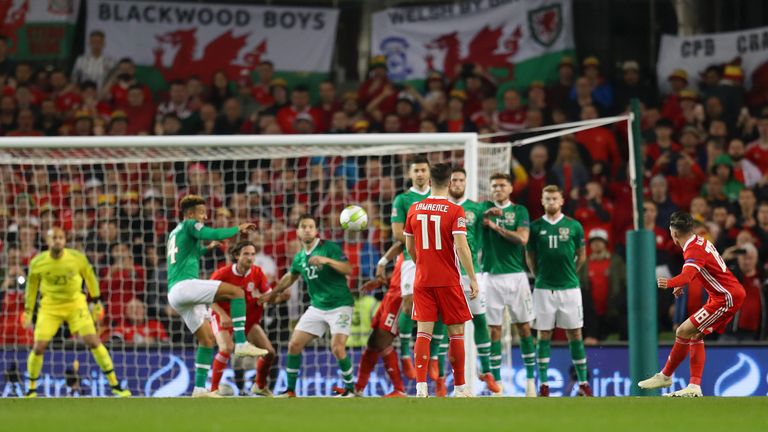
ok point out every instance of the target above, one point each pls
(94, 186)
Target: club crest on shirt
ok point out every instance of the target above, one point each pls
(471, 218)
(564, 233)
(509, 219)
(250, 287)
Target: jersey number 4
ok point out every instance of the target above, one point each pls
(425, 230)
(172, 249)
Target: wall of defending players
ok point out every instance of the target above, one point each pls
(731, 371)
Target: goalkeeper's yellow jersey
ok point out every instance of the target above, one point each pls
(59, 280)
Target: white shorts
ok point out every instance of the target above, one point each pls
(478, 305)
(510, 290)
(316, 321)
(558, 308)
(191, 298)
(407, 277)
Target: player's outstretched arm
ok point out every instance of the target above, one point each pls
(465, 258)
(343, 267)
(286, 281)
(202, 232)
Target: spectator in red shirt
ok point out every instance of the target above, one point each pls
(455, 120)
(406, 110)
(600, 142)
(605, 299)
(139, 111)
(375, 85)
(487, 117)
(757, 150)
(299, 105)
(328, 105)
(122, 281)
(120, 81)
(136, 328)
(678, 81)
(686, 183)
(592, 209)
(664, 142)
(513, 116)
(751, 322)
(25, 124)
(262, 88)
(664, 244)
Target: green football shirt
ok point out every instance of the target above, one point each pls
(400, 206)
(474, 216)
(555, 245)
(501, 256)
(184, 249)
(327, 288)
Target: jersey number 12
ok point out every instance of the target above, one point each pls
(425, 230)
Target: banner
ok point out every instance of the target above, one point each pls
(39, 29)
(730, 371)
(525, 38)
(185, 39)
(695, 53)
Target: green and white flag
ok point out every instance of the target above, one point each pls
(522, 40)
(39, 29)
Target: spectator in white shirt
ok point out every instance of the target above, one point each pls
(93, 66)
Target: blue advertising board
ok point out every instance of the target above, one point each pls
(729, 371)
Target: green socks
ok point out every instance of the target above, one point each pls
(345, 365)
(203, 361)
(483, 342)
(528, 353)
(496, 360)
(543, 354)
(237, 310)
(579, 358)
(405, 324)
(292, 365)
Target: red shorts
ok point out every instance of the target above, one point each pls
(448, 302)
(714, 316)
(386, 315)
(250, 321)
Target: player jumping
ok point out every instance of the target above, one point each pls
(58, 274)
(249, 277)
(435, 233)
(324, 268)
(190, 296)
(704, 263)
(556, 253)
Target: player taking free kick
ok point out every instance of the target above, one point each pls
(702, 262)
(435, 233)
(190, 296)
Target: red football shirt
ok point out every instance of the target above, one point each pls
(721, 285)
(254, 282)
(432, 224)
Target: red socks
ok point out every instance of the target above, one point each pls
(698, 357)
(421, 354)
(263, 365)
(679, 351)
(367, 363)
(219, 364)
(456, 357)
(392, 366)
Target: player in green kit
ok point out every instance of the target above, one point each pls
(505, 235)
(477, 306)
(324, 268)
(419, 173)
(556, 253)
(190, 296)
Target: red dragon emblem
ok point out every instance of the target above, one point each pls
(485, 49)
(220, 54)
(11, 20)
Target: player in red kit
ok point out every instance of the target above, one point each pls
(705, 265)
(251, 279)
(435, 236)
(384, 326)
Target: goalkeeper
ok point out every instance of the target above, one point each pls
(58, 274)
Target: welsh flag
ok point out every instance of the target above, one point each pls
(39, 29)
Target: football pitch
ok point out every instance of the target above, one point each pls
(391, 415)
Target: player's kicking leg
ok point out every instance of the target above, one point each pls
(686, 334)
(258, 337)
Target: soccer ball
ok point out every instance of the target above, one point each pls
(353, 218)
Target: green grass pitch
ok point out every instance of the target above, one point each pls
(391, 415)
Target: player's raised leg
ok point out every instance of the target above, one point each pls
(236, 297)
(222, 330)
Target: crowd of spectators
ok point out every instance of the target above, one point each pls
(705, 150)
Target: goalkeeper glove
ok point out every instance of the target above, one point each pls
(97, 309)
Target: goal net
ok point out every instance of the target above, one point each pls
(117, 199)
